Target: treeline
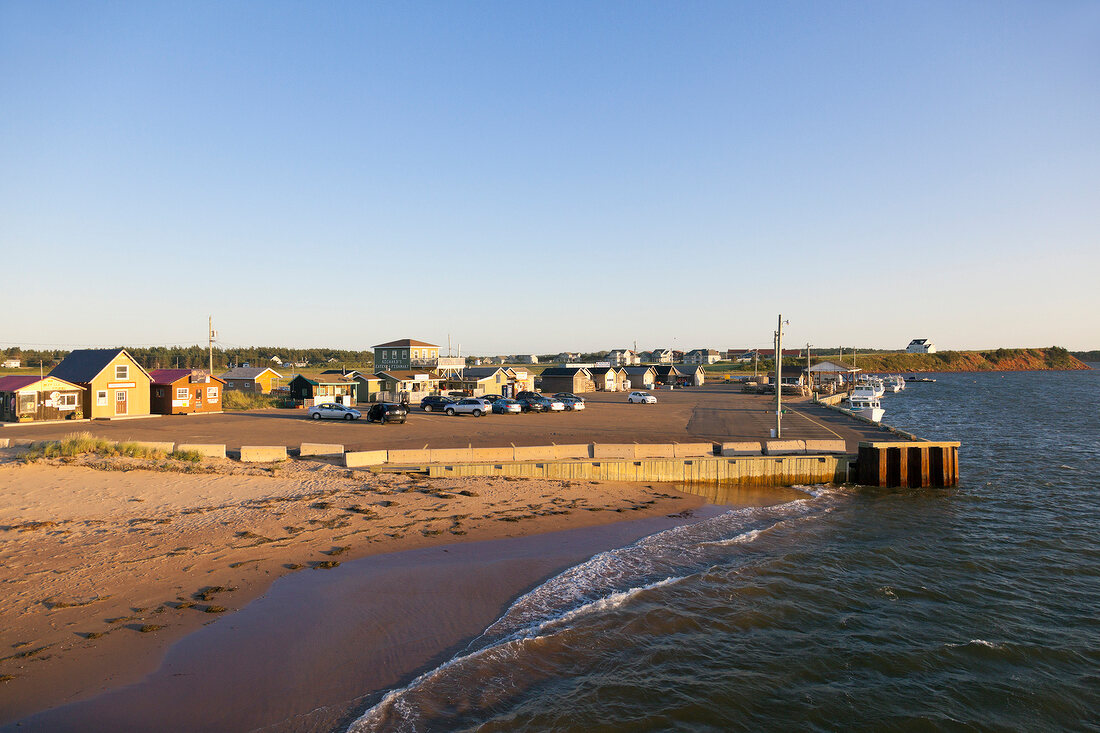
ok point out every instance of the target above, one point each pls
(197, 357)
(1093, 355)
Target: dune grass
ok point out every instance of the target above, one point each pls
(78, 444)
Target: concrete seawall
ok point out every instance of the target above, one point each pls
(759, 471)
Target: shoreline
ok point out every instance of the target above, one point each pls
(105, 570)
(317, 650)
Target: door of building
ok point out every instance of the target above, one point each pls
(120, 402)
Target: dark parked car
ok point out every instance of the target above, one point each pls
(568, 396)
(532, 402)
(386, 412)
(525, 394)
(491, 398)
(437, 403)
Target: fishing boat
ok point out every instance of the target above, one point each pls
(865, 405)
(894, 384)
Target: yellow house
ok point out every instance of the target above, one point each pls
(114, 384)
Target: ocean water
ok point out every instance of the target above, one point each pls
(975, 608)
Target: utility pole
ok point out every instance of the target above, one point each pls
(210, 341)
(755, 358)
(779, 377)
(809, 380)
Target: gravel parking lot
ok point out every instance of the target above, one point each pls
(717, 413)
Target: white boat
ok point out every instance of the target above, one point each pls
(874, 384)
(894, 384)
(865, 405)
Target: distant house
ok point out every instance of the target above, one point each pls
(739, 355)
(252, 379)
(526, 359)
(11, 364)
(659, 356)
(115, 384)
(310, 389)
(641, 377)
(623, 357)
(567, 357)
(276, 360)
(702, 356)
(921, 346)
(184, 392)
(27, 398)
(567, 379)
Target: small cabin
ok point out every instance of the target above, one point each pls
(25, 398)
(184, 392)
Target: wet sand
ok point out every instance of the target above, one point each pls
(318, 648)
(105, 563)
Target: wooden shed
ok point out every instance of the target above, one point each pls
(667, 374)
(115, 385)
(641, 377)
(567, 379)
(27, 398)
(252, 379)
(185, 392)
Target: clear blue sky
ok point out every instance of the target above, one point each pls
(540, 177)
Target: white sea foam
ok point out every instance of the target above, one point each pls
(604, 582)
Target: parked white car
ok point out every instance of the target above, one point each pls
(642, 398)
(333, 411)
(468, 406)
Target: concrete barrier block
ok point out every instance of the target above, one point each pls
(784, 447)
(320, 449)
(153, 445)
(654, 450)
(748, 448)
(535, 453)
(412, 457)
(826, 446)
(262, 453)
(492, 455)
(613, 450)
(207, 450)
(449, 455)
(693, 450)
(355, 459)
(580, 450)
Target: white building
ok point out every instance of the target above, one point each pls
(921, 346)
(12, 364)
(702, 356)
(624, 357)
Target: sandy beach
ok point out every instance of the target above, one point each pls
(105, 563)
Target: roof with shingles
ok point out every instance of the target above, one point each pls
(248, 372)
(408, 374)
(638, 370)
(16, 382)
(667, 370)
(404, 342)
(479, 372)
(83, 365)
(564, 371)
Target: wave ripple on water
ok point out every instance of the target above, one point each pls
(850, 609)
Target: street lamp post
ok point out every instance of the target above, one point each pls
(779, 377)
